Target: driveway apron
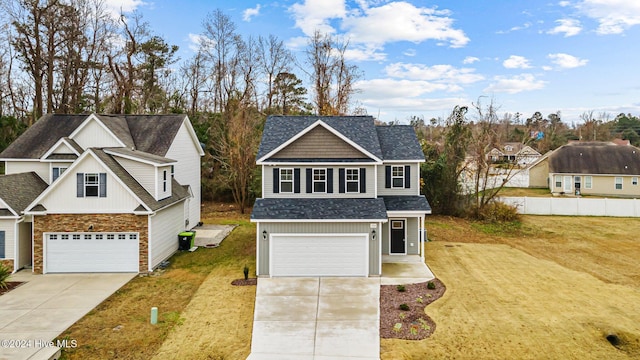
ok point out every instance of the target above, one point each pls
(316, 319)
(39, 310)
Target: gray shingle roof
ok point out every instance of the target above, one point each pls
(318, 209)
(178, 191)
(399, 142)
(359, 129)
(141, 155)
(148, 133)
(62, 157)
(407, 203)
(19, 190)
(595, 158)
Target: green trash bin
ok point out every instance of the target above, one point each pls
(185, 240)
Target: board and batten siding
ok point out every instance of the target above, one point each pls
(40, 168)
(414, 188)
(319, 141)
(63, 198)
(315, 228)
(63, 149)
(95, 135)
(145, 174)
(412, 236)
(370, 181)
(187, 170)
(8, 226)
(166, 224)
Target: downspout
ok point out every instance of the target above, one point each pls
(258, 244)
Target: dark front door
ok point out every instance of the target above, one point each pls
(398, 237)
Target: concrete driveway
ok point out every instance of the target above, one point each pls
(316, 318)
(46, 305)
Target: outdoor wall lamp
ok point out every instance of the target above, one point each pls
(264, 235)
(373, 235)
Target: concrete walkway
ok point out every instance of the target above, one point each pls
(316, 318)
(46, 305)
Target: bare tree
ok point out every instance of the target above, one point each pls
(275, 60)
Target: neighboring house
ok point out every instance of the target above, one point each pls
(514, 153)
(99, 193)
(589, 168)
(338, 193)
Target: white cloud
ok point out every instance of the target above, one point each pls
(516, 62)
(614, 16)
(564, 3)
(116, 7)
(514, 84)
(314, 15)
(442, 74)
(364, 54)
(410, 52)
(470, 60)
(567, 61)
(515, 28)
(568, 27)
(251, 12)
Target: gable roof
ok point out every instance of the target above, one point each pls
(595, 158)
(19, 190)
(399, 142)
(152, 134)
(279, 129)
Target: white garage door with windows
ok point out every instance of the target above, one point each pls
(91, 252)
(319, 255)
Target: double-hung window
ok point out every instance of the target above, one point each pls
(56, 172)
(618, 183)
(319, 180)
(352, 179)
(397, 176)
(286, 180)
(558, 181)
(587, 182)
(91, 185)
(634, 180)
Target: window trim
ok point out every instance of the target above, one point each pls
(356, 181)
(557, 179)
(616, 183)
(634, 181)
(314, 181)
(281, 181)
(394, 177)
(588, 182)
(88, 185)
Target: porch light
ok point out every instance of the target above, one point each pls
(373, 235)
(264, 235)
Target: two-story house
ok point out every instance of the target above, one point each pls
(98, 193)
(338, 192)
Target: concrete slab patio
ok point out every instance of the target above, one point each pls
(316, 319)
(39, 310)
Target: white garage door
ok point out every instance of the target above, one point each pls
(91, 252)
(319, 255)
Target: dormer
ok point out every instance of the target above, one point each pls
(60, 156)
(153, 172)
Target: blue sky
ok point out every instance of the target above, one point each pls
(424, 57)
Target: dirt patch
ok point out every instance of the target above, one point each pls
(10, 286)
(243, 282)
(411, 324)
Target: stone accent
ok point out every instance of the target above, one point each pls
(81, 223)
(8, 263)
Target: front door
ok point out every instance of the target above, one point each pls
(398, 237)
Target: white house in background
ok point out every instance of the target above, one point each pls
(514, 153)
(98, 193)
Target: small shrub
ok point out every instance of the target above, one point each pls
(414, 329)
(5, 272)
(423, 323)
(419, 300)
(498, 212)
(431, 285)
(397, 327)
(402, 316)
(246, 272)
(401, 288)
(404, 307)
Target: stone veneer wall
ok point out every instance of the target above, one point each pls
(8, 263)
(81, 223)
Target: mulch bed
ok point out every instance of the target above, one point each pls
(413, 324)
(243, 282)
(10, 286)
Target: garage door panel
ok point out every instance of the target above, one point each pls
(319, 255)
(92, 254)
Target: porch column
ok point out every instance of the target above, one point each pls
(422, 237)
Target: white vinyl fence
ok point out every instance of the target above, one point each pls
(575, 206)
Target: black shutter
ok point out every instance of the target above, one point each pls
(363, 180)
(329, 181)
(341, 181)
(80, 185)
(2, 244)
(309, 183)
(387, 177)
(103, 185)
(296, 180)
(276, 180)
(407, 176)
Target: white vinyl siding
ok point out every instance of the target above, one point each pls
(187, 170)
(63, 199)
(145, 174)
(40, 168)
(62, 148)
(95, 135)
(8, 226)
(165, 227)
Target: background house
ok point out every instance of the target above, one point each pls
(104, 193)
